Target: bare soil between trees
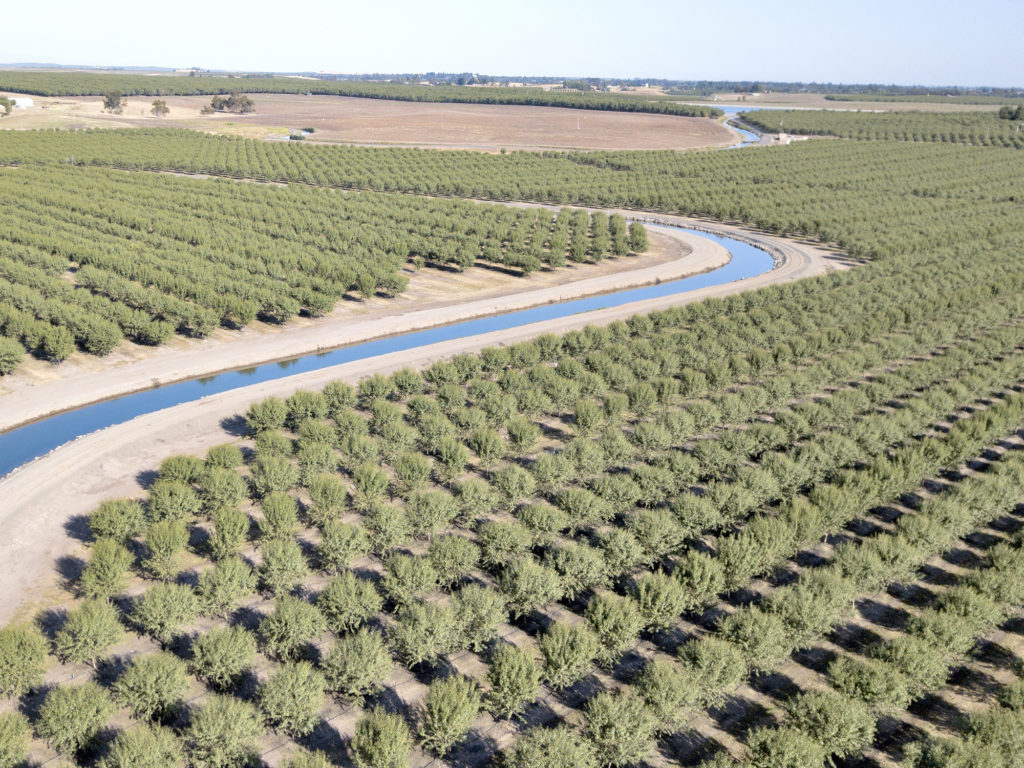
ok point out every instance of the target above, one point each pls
(44, 502)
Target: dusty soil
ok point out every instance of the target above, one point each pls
(43, 500)
(379, 122)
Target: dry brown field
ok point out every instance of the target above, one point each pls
(378, 122)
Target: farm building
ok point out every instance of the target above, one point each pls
(21, 102)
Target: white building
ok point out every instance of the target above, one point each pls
(21, 102)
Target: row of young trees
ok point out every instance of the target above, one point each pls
(94, 84)
(566, 658)
(159, 256)
(873, 199)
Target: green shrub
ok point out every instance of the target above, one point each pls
(568, 652)
(348, 601)
(223, 654)
(449, 710)
(152, 686)
(89, 632)
(23, 652)
(165, 543)
(408, 578)
(72, 715)
(514, 677)
(424, 632)
(224, 733)
(616, 622)
(117, 519)
(106, 573)
(621, 728)
(381, 740)
(290, 627)
(340, 544)
(292, 697)
(358, 665)
(453, 557)
(163, 609)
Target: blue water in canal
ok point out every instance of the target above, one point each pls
(22, 444)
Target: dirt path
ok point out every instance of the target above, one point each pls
(43, 501)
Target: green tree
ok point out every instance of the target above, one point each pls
(89, 632)
(358, 665)
(712, 666)
(221, 588)
(230, 531)
(145, 746)
(660, 599)
(479, 613)
(165, 543)
(340, 544)
(348, 601)
(283, 567)
(290, 627)
(637, 237)
(280, 516)
(529, 585)
(514, 676)
(22, 659)
(106, 573)
(568, 652)
(266, 415)
(621, 727)
(224, 733)
(616, 622)
(223, 654)
(784, 748)
(172, 500)
(381, 740)
(14, 736)
(292, 697)
(668, 692)
(114, 102)
(117, 519)
(453, 557)
(152, 686)
(163, 609)
(408, 578)
(449, 710)
(424, 632)
(842, 725)
(501, 542)
(72, 715)
(273, 473)
(561, 746)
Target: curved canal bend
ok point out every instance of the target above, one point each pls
(23, 444)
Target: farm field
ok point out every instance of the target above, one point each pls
(349, 120)
(777, 524)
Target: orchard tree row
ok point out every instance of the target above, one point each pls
(873, 199)
(987, 129)
(567, 531)
(150, 256)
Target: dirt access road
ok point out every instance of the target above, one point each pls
(45, 501)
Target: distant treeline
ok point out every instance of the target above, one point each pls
(931, 98)
(93, 84)
(976, 128)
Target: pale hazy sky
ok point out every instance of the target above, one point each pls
(940, 42)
